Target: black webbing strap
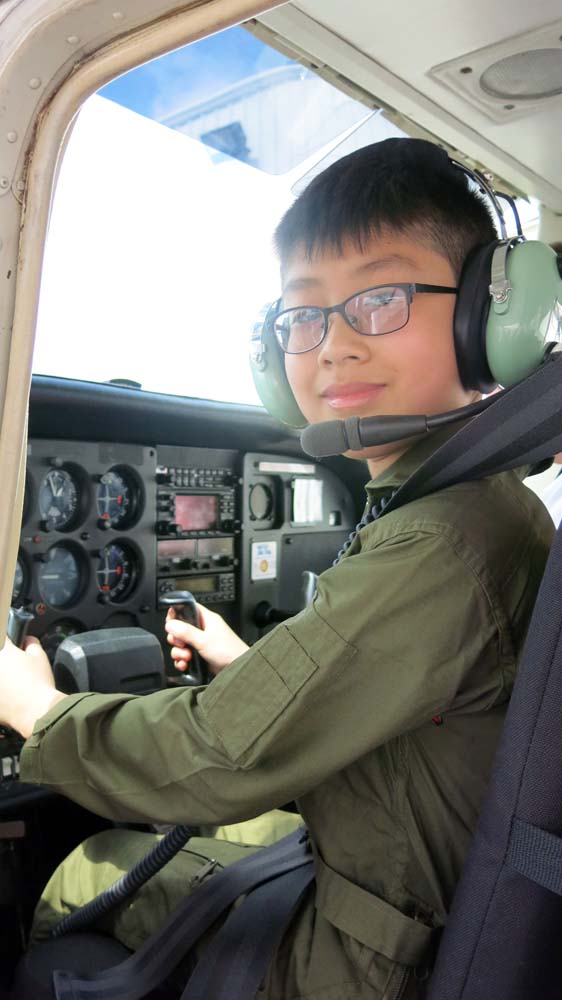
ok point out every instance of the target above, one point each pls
(536, 854)
(236, 961)
(522, 427)
(161, 952)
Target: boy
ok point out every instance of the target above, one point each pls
(378, 708)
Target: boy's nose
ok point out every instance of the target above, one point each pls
(342, 343)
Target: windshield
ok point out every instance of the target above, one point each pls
(159, 254)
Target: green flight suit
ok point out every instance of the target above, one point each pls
(378, 709)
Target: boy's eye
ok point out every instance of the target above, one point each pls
(305, 315)
(382, 297)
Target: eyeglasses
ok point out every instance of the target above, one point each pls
(372, 312)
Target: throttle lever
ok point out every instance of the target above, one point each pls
(19, 621)
(185, 608)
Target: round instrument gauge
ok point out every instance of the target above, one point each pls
(20, 582)
(61, 576)
(118, 497)
(260, 502)
(117, 571)
(59, 500)
(57, 633)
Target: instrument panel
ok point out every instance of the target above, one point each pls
(109, 529)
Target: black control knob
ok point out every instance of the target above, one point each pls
(163, 476)
(168, 528)
(104, 524)
(48, 524)
(265, 614)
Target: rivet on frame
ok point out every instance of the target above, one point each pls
(4, 183)
(73, 39)
(12, 136)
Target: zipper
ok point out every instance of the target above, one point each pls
(399, 983)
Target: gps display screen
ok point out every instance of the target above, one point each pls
(197, 512)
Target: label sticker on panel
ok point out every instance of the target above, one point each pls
(264, 560)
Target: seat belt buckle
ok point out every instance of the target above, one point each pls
(201, 875)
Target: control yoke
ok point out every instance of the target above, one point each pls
(185, 608)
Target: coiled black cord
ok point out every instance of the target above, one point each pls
(370, 515)
(173, 842)
(127, 884)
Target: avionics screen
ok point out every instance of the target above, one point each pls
(197, 584)
(197, 513)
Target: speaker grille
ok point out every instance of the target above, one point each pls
(530, 75)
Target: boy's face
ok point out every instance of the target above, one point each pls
(412, 370)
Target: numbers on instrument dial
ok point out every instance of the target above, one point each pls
(118, 497)
(117, 572)
(59, 500)
(61, 577)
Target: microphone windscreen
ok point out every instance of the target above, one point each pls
(327, 438)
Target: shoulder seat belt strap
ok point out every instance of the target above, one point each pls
(522, 427)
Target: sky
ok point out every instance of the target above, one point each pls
(159, 254)
(193, 73)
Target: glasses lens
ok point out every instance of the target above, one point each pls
(378, 310)
(299, 330)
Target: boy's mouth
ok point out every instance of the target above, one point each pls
(351, 394)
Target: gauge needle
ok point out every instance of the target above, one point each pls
(54, 491)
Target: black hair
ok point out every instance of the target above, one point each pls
(403, 186)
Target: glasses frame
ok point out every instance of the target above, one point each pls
(410, 287)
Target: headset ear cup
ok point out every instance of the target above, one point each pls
(267, 364)
(525, 323)
(471, 317)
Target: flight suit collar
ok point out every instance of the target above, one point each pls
(397, 473)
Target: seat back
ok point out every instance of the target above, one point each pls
(503, 939)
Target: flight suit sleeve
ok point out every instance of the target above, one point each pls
(397, 634)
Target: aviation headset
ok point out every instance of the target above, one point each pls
(508, 312)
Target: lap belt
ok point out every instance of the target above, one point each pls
(234, 965)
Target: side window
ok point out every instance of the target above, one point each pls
(159, 254)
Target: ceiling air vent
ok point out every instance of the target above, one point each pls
(511, 78)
